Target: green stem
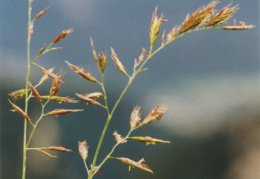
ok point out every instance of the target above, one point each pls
(27, 88)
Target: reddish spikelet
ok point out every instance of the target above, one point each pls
(88, 99)
(155, 114)
(133, 164)
(222, 16)
(56, 84)
(41, 13)
(36, 94)
(45, 77)
(46, 153)
(135, 117)
(117, 62)
(83, 149)
(49, 73)
(83, 73)
(193, 20)
(59, 149)
(118, 138)
(57, 112)
(20, 111)
(62, 35)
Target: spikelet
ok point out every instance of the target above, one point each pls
(20, 111)
(102, 61)
(57, 112)
(60, 99)
(83, 73)
(155, 26)
(62, 35)
(241, 26)
(83, 149)
(135, 117)
(156, 114)
(193, 20)
(148, 140)
(36, 94)
(88, 99)
(118, 138)
(47, 153)
(222, 16)
(44, 77)
(18, 94)
(59, 149)
(56, 84)
(48, 73)
(133, 164)
(41, 13)
(117, 62)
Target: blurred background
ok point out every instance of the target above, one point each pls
(209, 81)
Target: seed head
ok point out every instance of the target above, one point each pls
(155, 26)
(148, 140)
(133, 164)
(59, 149)
(18, 94)
(20, 111)
(62, 35)
(241, 26)
(83, 149)
(193, 20)
(155, 114)
(83, 73)
(36, 94)
(57, 112)
(222, 16)
(117, 62)
(135, 117)
(41, 13)
(118, 138)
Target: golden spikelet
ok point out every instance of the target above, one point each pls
(156, 114)
(155, 26)
(193, 20)
(222, 16)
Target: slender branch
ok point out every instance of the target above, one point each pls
(37, 123)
